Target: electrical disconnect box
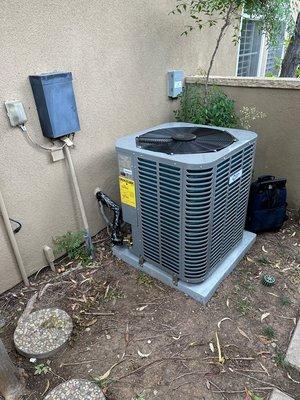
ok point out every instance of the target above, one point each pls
(175, 83)
(55, 102)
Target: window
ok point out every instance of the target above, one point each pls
(250, 48)
(275, 55)
(255, 58)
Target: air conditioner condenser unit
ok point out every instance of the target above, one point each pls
(184, 193)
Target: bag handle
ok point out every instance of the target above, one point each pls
(263, 178)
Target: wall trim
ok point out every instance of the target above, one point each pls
(275, 83)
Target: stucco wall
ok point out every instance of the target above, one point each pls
(278, 145)
(119, 53)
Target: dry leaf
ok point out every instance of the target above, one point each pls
(107, 373)
(227, 303)
(250, 259)
(106, 292)
(211, 346)
(221, 358)
(263, 249)
(289, 376)
(46, 388)
(273, 294)
(264, 368)
(223, 319)
(264, 340)
(264, 316)
(243, 333)
(90, 323)
(127, 335)
(178, 337)
(143, 355)
(142, 308)
(207, 384)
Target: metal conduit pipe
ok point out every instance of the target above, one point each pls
(79, 198)
(13, 241)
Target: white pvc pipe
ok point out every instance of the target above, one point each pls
(13, 241)
(77, 190)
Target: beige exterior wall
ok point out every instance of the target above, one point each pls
(119, 53)
(278, 145)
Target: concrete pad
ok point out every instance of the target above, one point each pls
(293, 352)
(43, 333)
(76, 389)
(203, 291)
(278, 395)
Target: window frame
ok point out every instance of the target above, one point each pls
(263, 53)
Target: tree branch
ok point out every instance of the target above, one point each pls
(232, 9)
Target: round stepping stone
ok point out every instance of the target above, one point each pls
(76, 389)
(43, 333)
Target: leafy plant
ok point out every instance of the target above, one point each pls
(217, 110)
(140, 397)
(249, 114)
(280, 360)
(144, 279)
(263, 260)
(72, 244)
(243, 306)
(269, 332)
(42, 369)
(285, 301)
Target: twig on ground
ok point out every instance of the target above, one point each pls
(253, 378)
(220, 390)
(240, 391)
(29, 307)
(99, 314)
(76, 363)
(158, 361)
(187, 374)
(184, 384)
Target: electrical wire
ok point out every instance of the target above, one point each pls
(19, 227)
(24, 129)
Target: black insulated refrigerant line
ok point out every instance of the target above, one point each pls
(105, 201)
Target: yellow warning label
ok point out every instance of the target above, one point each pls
(127, 190)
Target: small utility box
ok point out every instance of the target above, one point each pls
(175, 83)
(55, 102)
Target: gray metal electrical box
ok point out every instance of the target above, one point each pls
(55, 102)
(175, 83)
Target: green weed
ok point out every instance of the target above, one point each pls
(243, 306)
(144, 279)
(41, 369)
(263, 260)
(72, 244)
(285, 301)
(269, 332)
(280, 360)
(140, 397)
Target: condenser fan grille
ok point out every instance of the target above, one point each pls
(185, 140)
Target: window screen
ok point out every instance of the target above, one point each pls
(250, 44)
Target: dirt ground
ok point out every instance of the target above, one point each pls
(160, 344)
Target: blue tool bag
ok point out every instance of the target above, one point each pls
(267, 204)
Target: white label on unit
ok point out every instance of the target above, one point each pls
(235, 176)
(178, 85)
(127, 171)
(125, 165)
